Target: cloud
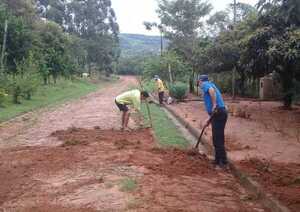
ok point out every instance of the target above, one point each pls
(132, 13)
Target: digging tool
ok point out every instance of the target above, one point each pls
(202, 131)
(147, 105)
(194, 151)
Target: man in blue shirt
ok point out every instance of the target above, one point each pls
(215, 107)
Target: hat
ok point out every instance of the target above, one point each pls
(156, 77)
(203, 77)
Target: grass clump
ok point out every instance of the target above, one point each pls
(128, 185)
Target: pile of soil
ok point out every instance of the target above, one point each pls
(83, 173)
(282, 180)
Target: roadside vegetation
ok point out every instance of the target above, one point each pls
(164, 129)
(50, 95)
(236, 52)
(46, 51)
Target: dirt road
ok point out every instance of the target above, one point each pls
(59, 160)
(96, 109)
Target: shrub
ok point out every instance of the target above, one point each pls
(178, 90)
(2, 96)
(23, 86)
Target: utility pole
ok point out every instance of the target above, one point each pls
(160, 27)
(3, 47)
(234, 68)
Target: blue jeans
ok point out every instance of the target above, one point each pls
(218, 127)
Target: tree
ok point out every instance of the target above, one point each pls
(95, 22)
(52, 45)
(19, 39)
(157, 65)
(24, 9)
(182, 21)
(222, 20)
(54, 10)
(160, 27)
(274, 45)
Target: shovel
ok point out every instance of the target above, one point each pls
(194, 151)
(202, 131)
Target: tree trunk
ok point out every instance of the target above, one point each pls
(45, 80)
(192, 87)
(3, 47)
(287, 86)
(170, 73)
(54, 78)
(242, 85)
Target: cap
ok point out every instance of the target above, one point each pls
(203, 77)
(156, 77)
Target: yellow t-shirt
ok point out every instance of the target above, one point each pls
(132, 97)
(160, 85)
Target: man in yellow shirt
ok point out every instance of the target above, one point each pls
(132, 98)
(160, 89)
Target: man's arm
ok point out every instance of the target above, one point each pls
(213, 97)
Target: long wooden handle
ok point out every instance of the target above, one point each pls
(199, 139)
(147, 105)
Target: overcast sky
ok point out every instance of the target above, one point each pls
(132, 13)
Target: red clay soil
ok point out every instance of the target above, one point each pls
(270, 132)
(85, 173)
(282, 180)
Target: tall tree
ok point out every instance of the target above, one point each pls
(182, 20)
(275, 43)
(54, 10)
(95, 21)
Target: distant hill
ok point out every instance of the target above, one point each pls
(135, 44)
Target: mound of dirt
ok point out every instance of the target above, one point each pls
(282, 180)
(84, 174)
(177, 162)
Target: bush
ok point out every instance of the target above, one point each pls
(2, 96)
(178, 90)
(23, 86)
(223, 80)
(26, 82)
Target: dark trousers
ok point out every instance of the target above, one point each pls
(218, 126)
(161, 97)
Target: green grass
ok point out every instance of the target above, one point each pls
(47, 95)
(128, 185)
(164, 129)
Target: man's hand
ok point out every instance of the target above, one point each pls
(214, 108)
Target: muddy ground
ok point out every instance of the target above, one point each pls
(68, 158)
(263, 132)
(109, 170)
(282, 180)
